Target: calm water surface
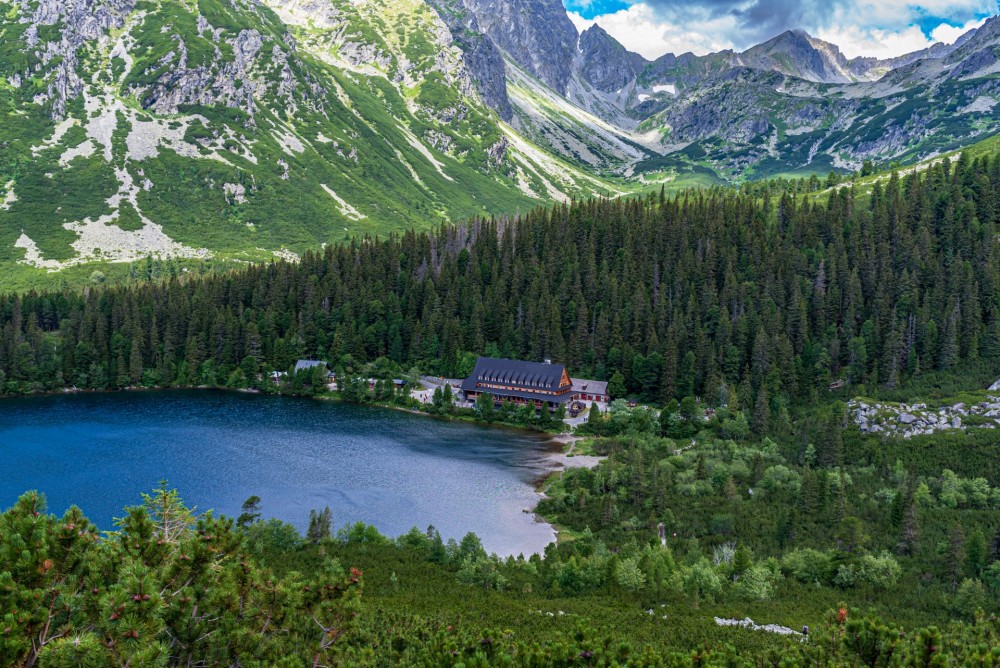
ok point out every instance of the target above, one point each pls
(386, 468)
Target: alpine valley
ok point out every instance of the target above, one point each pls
(240, 130)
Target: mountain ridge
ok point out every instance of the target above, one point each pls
(241, 129)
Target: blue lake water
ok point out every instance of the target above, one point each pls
(394, 470)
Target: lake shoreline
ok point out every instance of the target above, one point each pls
(329, 396)
(551, 457)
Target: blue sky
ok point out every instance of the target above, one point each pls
(881, 28)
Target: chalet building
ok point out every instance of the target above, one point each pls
(541, 384)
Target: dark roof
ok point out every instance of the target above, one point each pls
(529, 375)
(584, 386)
(521, 394)
(301, 365)
(529, 378)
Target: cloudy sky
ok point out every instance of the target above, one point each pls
(880, 28)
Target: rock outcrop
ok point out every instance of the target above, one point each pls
(481, 56)
(536, 33)
(909, 420)
(606, 64)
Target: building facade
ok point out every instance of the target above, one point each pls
(544, 385)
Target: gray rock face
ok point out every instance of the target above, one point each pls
(797, 54)
(726, 108)
(200, 85)
(480, 54)
(233, 82)
(536, 33)
(734, 103)
(485, 64)
(82, 21)
(606, 64)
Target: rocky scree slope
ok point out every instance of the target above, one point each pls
(909, 420)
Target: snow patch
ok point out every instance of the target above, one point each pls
(424, 151)
(346, 209)
(9, 198)
(665, 88)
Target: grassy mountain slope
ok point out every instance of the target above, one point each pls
(231, 129)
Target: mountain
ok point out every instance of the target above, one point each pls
(238, 129)
(241, 129)
(793, 104)
(798, 54)
(786, 106)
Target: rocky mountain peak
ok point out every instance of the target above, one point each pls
(605, 63)
(537, 34)
(797, 53)
(481, 56)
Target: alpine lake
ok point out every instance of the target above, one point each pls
(387, 468)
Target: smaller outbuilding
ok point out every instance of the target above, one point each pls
(306, 365)
(590, 390)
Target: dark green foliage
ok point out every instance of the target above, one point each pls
(826, 529)
(320, 525)
(251, 512)
(756, 305)
(170, 589)
(165, 589)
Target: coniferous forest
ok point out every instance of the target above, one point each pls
(715, 294)
(746, 317)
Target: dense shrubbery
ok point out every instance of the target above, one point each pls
(164, 589)
(171, 589)
(735, 508)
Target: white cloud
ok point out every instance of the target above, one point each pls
(876, 28)
(639, 29)
(857, 41)
(948, 33)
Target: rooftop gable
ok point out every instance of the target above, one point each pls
(517, 373)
